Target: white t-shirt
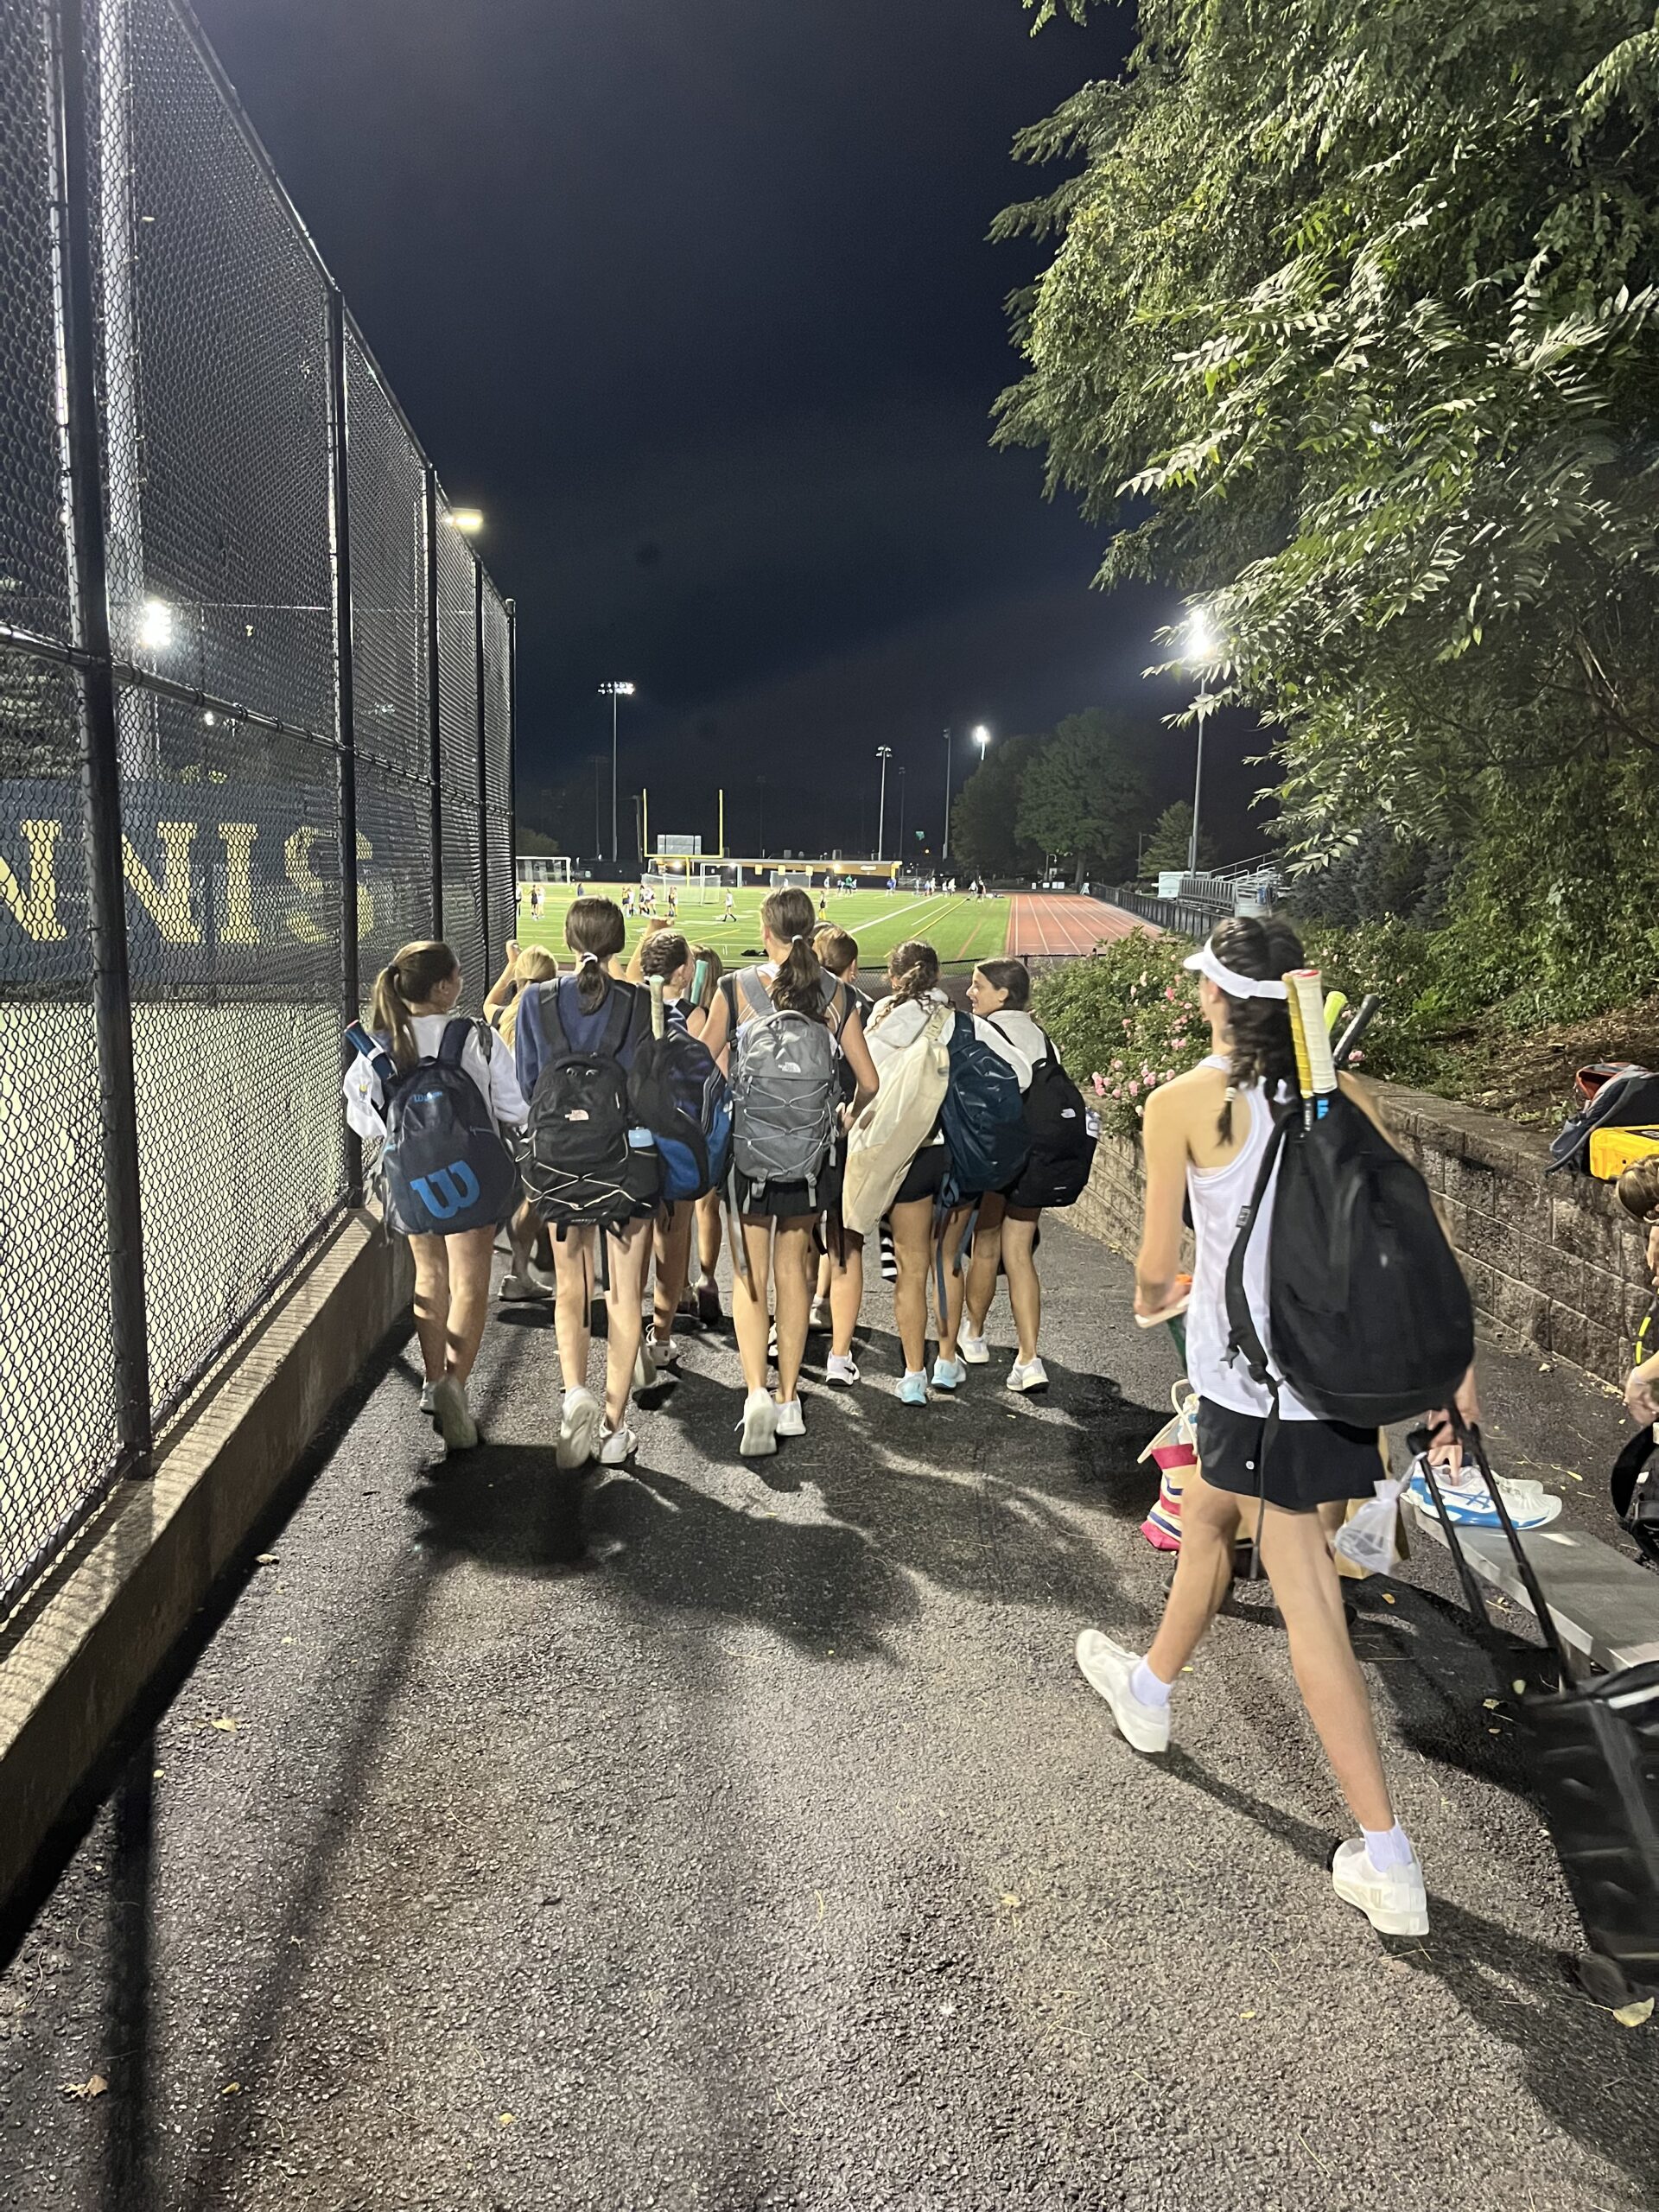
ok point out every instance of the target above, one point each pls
(365, 1100)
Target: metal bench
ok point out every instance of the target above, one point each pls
(1605, 1605)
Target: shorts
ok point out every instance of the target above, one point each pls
(924, 1177)
(790, 1201)
(1309, 1463)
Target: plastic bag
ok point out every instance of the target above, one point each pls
(1369, 1538)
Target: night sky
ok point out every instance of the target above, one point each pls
(693, 298)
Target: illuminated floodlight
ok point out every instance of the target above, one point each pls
(469, 519)
(616, 690)
(156, 626)
(982, 739)
(1200, 640)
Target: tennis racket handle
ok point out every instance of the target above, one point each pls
(1369, 1007)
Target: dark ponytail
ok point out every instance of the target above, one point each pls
(787, 918)
(594, 930)
(1260, 1047)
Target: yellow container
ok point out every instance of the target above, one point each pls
(1611, 1151)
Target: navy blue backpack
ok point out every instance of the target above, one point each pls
(442, 1169)
(679, 1094)
(983, 1118)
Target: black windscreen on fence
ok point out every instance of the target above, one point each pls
(248, 620)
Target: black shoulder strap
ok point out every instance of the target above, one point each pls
(619, 1021)
(1242, 1335)
(452, 1042)
(554, 1042)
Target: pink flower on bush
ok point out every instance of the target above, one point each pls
(1169, 990)
(1099, 1082)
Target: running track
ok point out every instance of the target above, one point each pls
(1049, 922)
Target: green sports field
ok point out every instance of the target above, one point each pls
(959, 929)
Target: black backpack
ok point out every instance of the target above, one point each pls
(443, 1169)
(1369, 1312)
(580, 1168)
(1628, 1098)
(1064, 1133)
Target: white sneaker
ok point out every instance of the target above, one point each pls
(1107, 1667)
(427, 1388)
(1025, 1374)
(517, 1289)
(1395, 1903)
(975, 1350)
(618, 1446)
(455, 1422)
(663, 1351)
(759, 1425)
(790, 1421)
(818, 1316)
(645, 1368)
(579, 1427)
(840, 1369)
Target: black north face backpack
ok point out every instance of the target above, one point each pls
(1369, 1312)
(1064, 1130)
(443, 1169)
(580, 1168)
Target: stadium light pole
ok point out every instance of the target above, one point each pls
(613, 692)
(944, 848)
(883, 753)
(901, 810)
(1202, 644)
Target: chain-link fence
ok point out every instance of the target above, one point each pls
(256, 732)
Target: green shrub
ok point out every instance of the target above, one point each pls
(1126, 1019)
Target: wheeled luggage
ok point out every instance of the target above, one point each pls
(1594, 1768)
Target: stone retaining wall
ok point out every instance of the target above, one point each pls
(1555, 1266)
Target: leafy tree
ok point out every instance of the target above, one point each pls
(1172, 840)
(984, 812)
(1084, 795)
(1350, 327)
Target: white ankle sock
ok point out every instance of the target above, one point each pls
(1387, 1848)
(1145, 1690)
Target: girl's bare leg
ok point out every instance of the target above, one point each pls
(846, 1292)
(573, 1272)
(708, 1235)
(1025, 1292)
(1296, 1556)
(431, 1304)
(672, 1242)
(793, 1274)
(983, 1267)
(1203, 1567)
(750, 1320)
(956, 1228)
(469, 1266)
(625, 1323)
(912, 1247)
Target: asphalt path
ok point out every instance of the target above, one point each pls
(735, 1836)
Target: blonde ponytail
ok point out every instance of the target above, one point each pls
(415, 972)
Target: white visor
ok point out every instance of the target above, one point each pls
(1209, 962)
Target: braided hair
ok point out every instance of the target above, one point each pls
(1260, 1046)
(913, 969)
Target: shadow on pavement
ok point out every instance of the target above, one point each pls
(1591, 2076)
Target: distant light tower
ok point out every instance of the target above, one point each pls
(883, 753)
(901, 812)
(613, 692)
(1202, 643)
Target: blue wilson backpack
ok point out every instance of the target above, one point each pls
(442, 1169)
(681, 1096)
(983, 1118)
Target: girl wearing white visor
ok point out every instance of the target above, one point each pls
(1205, 1136)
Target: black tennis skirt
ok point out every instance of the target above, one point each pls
(791, 1201)
(1309, 1463)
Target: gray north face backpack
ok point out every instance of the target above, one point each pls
(785, 1088)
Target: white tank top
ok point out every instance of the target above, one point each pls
(1218, 1196)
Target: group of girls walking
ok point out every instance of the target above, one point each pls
(796, 1261)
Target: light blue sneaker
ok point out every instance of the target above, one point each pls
(913, 1388)
(948, 1375)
